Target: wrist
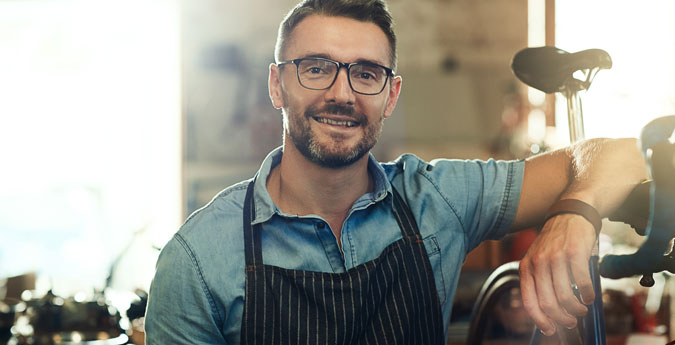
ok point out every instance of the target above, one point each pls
(576, 206)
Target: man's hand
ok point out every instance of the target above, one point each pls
(599, 172)
(557, 260)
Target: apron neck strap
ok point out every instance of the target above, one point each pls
(252, 234)
(252, 241)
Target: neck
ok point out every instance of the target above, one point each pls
(299, 186)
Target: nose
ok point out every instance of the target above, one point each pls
(340, 92)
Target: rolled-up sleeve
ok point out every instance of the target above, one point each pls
(484, 195)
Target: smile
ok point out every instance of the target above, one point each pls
(344, 123)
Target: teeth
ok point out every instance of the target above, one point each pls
(336, 123)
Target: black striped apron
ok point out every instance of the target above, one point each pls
(389, 300)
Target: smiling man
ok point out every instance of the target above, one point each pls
(325, 245)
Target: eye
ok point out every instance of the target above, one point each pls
(315, 67)
(366, 73)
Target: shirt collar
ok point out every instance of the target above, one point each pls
(265, 207)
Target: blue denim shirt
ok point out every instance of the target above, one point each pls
(197, 294)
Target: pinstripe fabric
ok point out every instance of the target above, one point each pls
(389, 300)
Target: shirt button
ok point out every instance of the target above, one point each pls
(320, 225)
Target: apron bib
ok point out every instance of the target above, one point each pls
(389, 300)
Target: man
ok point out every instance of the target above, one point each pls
(325, 245)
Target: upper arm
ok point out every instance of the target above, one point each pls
(180, 307)
(482, 195)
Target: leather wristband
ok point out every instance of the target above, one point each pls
(579, 207)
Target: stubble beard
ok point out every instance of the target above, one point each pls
(335, 154)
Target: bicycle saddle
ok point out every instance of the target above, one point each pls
(548, 68)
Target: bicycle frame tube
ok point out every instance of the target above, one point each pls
(594, 320)
(593, 323)
(575, 117)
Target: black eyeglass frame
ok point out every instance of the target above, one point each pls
(348, 66)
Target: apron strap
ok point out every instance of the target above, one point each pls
(404, 218)
(252, 241)
(252, 234)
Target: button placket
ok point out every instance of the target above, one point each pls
(330, 246)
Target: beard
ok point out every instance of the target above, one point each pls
(336, 153)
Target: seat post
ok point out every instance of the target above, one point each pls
(575, 116)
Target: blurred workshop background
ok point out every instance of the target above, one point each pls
(120, 118)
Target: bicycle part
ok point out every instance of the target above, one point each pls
(634, 211)
(549, 68)
(647, 280)
(505, 278)
(659, 153)
(502, 279)
(575, 118)
(594, 320)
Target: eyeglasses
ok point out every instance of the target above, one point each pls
(365, 78)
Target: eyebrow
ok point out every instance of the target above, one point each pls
(325, 56)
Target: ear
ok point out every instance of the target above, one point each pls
(274, 85)
(394, 92)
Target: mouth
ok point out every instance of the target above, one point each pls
(332, 122)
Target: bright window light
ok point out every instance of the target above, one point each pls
(639, 37)
(536, 37)
(90, 139)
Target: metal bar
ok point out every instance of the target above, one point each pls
(575, 117)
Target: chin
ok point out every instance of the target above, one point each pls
(336, 158)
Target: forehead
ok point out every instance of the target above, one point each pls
(340, 38)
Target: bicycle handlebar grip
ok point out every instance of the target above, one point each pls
(620, 266)
(649, 258)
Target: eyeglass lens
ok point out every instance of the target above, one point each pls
(319, 74)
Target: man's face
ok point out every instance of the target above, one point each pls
(333, 127)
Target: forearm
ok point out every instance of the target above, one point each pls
(600, 172)
(603, 172)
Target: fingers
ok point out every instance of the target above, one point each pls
(564, 291)
(528, 293)
(579, 269)
(540, 300)
(554, 263)
(553, 286)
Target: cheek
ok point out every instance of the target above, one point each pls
(297, 100)
(375, 107)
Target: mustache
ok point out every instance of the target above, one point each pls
(337, 109)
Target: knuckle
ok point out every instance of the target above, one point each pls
(559, 256)
(540, 259)
(548, 307)
(567, 300)
(570, 252)
(529, 307)
(575, 255)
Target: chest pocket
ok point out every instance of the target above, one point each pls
(434, 254)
